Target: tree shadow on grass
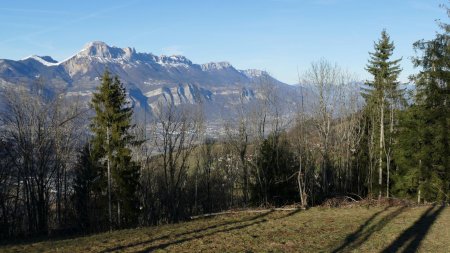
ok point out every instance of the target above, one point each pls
(224, 230)
(414, 235)
(357, 238)
(253, 221)
(294, 212)
(195, 237)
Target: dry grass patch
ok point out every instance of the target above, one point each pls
(360, 229)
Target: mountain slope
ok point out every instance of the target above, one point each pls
(147, 77)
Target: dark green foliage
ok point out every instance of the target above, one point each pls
(113, 119)
(276, 172)
(89, 201)
(424, 139)
(384, 71)
(362, 161)
(383, 97)
(406, 178)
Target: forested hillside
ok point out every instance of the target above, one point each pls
(68, 169)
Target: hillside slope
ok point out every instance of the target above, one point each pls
(360, 229)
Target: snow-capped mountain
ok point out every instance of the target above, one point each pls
(147, 77)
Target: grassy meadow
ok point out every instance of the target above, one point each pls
(356, 229)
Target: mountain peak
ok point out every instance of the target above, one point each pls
(149, 79)
(95, 44)
(102, 50)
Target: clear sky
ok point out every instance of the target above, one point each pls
(280, 36)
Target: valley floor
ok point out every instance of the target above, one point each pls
(359, 229)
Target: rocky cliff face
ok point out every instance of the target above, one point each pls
(148, 78)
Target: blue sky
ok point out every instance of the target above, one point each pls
(280, 36)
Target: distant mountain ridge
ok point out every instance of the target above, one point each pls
(147, 77)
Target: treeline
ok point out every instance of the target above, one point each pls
(345, 138)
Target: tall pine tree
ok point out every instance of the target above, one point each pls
(425, 134)
(381, 95)
(111, 144)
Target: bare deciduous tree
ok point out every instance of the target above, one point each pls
(238, 134)
(177, 130)
(324, 79)
(43, 135)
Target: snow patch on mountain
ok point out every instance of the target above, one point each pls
(254, 73)
(45, 60)
(216, 66)
(78, 93)
(173, 61)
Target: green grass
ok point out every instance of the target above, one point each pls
(358, 229)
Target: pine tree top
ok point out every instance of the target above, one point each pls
(385, 71)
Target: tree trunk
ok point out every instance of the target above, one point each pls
(301, 184)
(380, 165)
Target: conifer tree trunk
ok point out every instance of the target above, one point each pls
(389, 150)
(372, 158)
(385, 73)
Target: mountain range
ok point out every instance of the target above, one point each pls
(148, 78)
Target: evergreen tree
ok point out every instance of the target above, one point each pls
(382, 94)
(111, 143)
(276, 165)
(425, 166)
(88, 198)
